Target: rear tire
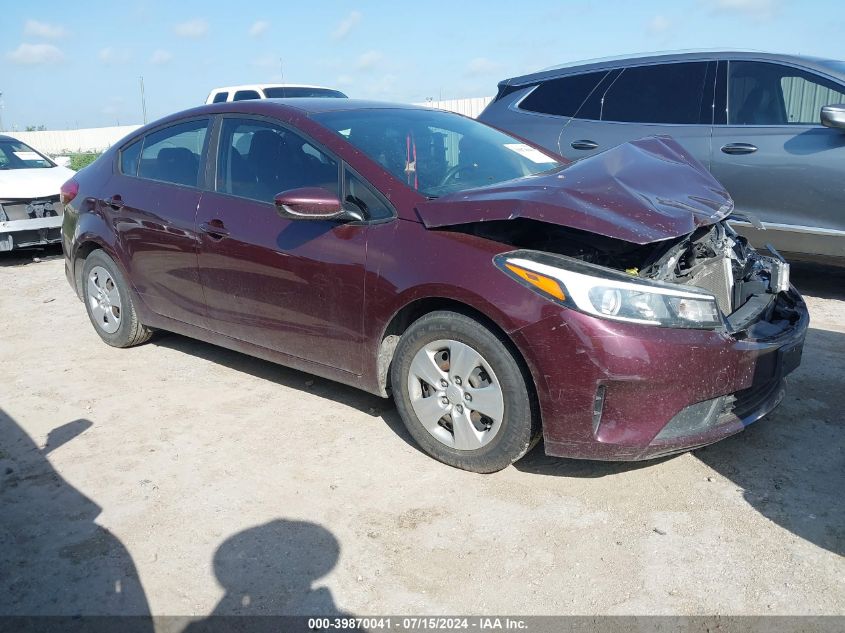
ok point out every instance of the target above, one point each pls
(109, 303)
(462, 393)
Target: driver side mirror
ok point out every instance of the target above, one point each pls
(310, 203)
(834, 116)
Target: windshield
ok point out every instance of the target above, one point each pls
(283, 92)
(436, 152)
(16, 155)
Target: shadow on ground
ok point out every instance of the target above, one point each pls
(290, 378)
(26, 256)
(271, 569)
(54, 559)
(790, 466)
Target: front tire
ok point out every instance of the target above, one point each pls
(109, 302)
(462, 393)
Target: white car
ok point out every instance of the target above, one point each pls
(30, 212)
(270, 91)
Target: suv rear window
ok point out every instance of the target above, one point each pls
(563, 96)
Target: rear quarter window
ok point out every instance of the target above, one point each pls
(563, 96)
(129, 156)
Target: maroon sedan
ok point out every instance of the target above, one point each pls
(498, 292)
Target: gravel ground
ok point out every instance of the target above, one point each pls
(180, 478)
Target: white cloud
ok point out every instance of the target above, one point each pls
(160, 56)
(758, 9)
(258, 28)
(35, 54)
(109, 55)
(34, 28)
(368, 60)
(481, 66)
(659, 24)
(192, 28)
(346, 25)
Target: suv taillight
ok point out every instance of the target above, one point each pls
(68, 191)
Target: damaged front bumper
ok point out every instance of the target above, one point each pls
(30, 222)
(619, 391)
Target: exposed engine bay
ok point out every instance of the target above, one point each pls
(748, 286)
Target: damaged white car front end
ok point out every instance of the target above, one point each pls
(30, 211)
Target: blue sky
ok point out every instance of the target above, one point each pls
(77, 64)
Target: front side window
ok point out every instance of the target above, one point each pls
(761, 93)
(258, 160)
(173, 154)
(436, 152)
(17, 155)
(663, 93)
(220, 97)
(361, 196)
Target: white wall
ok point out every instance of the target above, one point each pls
(95, 139)
(471, 106)
(99, 139)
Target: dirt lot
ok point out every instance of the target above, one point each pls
(179, 478)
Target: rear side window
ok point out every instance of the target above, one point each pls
(129, 158)
(663, 93)
(173, 154)
(246, 95)
(761, 93)
(563, 96)
(220, 97)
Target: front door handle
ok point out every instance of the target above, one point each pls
(739, 148)
(215, 229)
(584, 144)
(115, 202)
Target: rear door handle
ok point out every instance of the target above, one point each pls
(584, 144)
(215, 229)
(115, 202)
(739, 148)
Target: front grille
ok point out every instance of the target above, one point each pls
(28, 209)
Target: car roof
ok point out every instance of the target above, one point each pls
(814, 63)
(263, 86)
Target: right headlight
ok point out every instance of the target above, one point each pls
(611, 294)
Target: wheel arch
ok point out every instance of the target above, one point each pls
(414, 310)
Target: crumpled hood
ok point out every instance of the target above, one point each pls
(40, 182)
(643, 191)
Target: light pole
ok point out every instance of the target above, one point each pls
(143, 101)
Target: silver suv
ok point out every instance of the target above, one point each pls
(770, 127)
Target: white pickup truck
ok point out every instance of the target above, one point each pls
(270, 91)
